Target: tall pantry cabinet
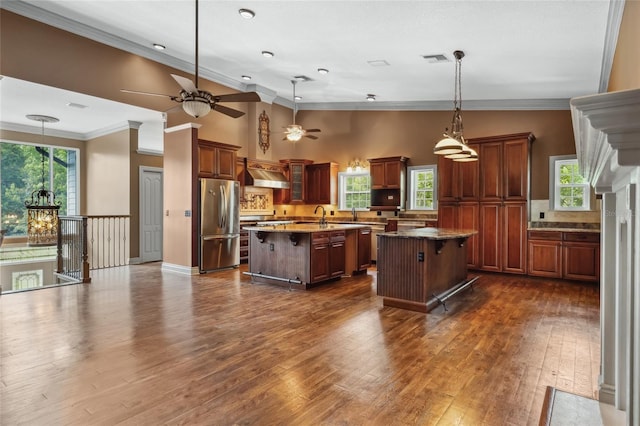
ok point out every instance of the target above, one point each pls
(491, 196)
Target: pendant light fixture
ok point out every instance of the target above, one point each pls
(42, 209)
(453, 145)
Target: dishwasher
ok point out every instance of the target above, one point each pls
(375, 230)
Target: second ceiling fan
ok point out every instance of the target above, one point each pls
(197, 102)
(294, 132)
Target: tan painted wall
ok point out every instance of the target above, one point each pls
(137, 160)
(347, 135)
(177, 198)
(47, 55)
(107, 179)
(625, 72)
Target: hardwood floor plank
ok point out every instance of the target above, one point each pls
(143, 347)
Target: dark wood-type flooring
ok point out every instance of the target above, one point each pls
(138, 346)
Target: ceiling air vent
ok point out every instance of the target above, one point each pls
(432, 59)
(378, 63)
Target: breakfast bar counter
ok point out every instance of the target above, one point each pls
(419, 269)
(301, 255)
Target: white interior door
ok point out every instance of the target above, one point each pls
(150, 214)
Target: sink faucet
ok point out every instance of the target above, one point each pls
(353, 214)
(323, 220)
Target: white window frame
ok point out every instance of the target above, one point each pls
(342, 190)
(412, 186)
(555, 162)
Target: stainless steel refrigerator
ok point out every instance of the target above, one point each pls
(219, 224)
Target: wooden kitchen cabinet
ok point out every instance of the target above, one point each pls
(319, 256)
(489, 195)
(387, 172)
(388, 180)
(568, 255)
(244, 246)
(296, 172)
(458, 181)
(337, 253)
(216, 160)
(514, 248)
(322, 183)
(581, 256)
(545, 254)
(327, 255)
(364, 249)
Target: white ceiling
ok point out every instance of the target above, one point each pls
(519, 54)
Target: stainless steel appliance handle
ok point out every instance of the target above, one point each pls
(224, 208)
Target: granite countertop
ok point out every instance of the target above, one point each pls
(431, 233)
(559, 229)
(307, 227)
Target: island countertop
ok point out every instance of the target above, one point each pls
(306, 227)
(431, 233)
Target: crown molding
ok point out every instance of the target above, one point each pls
(23, 128)
(614, 19)
(485, 105)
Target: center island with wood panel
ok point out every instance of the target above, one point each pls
(301, 255)
(421, 268)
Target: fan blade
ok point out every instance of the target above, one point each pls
(312, 130)
(238, 97)
(148, 93)
(234, 113)
(185, 83)
(311, 136)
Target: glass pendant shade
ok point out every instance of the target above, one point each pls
(42, 208)
(473, 156)
(196, 108)
(464, 153)
(448, 146)
(294, 133)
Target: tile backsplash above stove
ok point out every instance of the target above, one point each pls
(256, 200)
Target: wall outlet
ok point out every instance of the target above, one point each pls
(187, 213)
(271, 247)
(331, 213)
(285, 212)
(541, 215)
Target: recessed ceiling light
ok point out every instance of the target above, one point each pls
(371, 97)
(246, 77)
(323, 71)
(267, 54)
(158, 46)
(246, 13)
(297, 98)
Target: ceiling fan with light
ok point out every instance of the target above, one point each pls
(197, 102)
(294, 131)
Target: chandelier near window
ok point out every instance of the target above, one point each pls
(453, 146)
(42, 209)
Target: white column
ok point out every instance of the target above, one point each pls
(607, 382)
(622, 301)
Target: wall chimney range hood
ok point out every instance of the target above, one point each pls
(264, 174)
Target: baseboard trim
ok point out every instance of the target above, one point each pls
(135, 260)
(607, 394)
(180, 269)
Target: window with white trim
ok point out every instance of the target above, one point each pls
(423, 185)
(354, 190)
(568, 189)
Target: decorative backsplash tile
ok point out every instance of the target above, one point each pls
(257, 200)
(542, 206)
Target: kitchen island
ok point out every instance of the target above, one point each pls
(304, 254)
(419, 269)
